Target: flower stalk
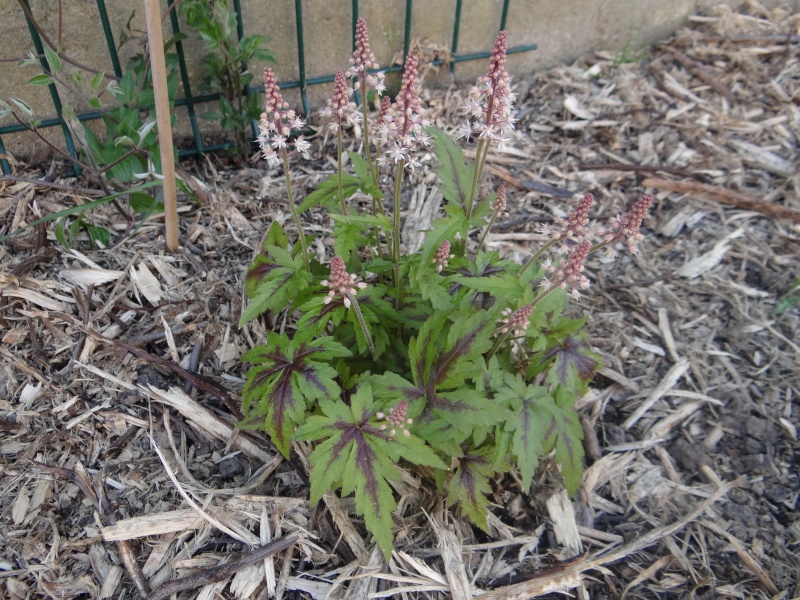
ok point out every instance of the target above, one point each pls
(295, 217)
(491, 110)
(275, 127)
(499, 206)
(573, 228)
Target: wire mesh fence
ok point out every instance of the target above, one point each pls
(190, 100)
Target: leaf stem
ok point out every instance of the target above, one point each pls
(377, 204)
(474, 187)
(364, 111)
(361, 322)
(293, 209)
(538, 255)
(398, 180)
(339, 171)
(486, 233)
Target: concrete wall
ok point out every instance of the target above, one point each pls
(563, 30)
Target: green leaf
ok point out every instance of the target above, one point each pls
(454, 173)
(359, 457)
(285, 377)
(327, 193)
(469, 486)
(145, 204)
(443, 229)
(274, 281)
(432, 287)
(99, 236)
(40, 80)
(503, 287)
(442, 362)
(565, 434)
(574, 364)
(366, 182)
(23, 106)
(52, 59)
(61, 235)
(210, 116)
(127, 87)
(97, 81)
(532, 409)
(265, 54)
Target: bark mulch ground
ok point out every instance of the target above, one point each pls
(121, 469)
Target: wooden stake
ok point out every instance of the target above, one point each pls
(165, 147)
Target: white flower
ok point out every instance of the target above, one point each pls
(279, 142)
(303, 146)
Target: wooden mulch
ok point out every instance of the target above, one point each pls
(121, 470)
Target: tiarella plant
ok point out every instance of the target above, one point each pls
(451, 361)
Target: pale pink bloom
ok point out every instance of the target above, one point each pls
(340, 110)
(277, 122)
(490, 107)
(516, 321)
(570, 274)
(401, 125)
(341, 283)
(396, 419)
(363, 60)
(442, 256)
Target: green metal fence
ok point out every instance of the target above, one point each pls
(189, 100)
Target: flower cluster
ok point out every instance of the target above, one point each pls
(628, 226)
(570, 274)
(500, 199)
(575, 226)
(340, 110)
(277, 122)
(341, 283)
(401, 126)
(442, 256)
(490, 107)
(363, 59)
(516, 321)
(397, 419)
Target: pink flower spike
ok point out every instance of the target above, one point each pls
(516, 321)
(500, 199)
(341, 283)
(277, 122)
(401, 126)
(397, 419)
(442, 256)
(340, 110)
(490, 106)
(576, 221)
(570, 275)
(630, 223)
(363, 58)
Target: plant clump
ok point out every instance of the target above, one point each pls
(449, 362)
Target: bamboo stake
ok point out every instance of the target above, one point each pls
(157, 64)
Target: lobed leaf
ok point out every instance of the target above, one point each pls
(285, 376)
(274, 282)
(532, 409)
(359, 457)
(469, 486)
